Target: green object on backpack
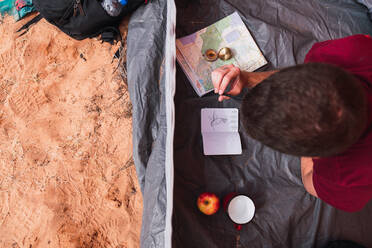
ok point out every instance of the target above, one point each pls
(16, 8)
(6, 6)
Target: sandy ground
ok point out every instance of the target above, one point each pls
(67, 177)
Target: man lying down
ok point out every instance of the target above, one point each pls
(320, 110)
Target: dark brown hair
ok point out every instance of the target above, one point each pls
(312, 109)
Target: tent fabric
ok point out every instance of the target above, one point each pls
(368, 4)
(286, 216)
(151, 66)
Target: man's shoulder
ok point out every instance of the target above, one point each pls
(360, 42)
(345, 181)
(348, 52)
(351, 168)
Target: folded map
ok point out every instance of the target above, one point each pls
(229, 32)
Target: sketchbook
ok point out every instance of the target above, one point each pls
(220, 131)
(229, 32)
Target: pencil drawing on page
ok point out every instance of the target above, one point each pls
(216, 120)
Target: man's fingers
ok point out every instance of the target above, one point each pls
(218, 74)
(221, 98)
(234, 90)
(222, 77)
(231, 75)
(217, 77)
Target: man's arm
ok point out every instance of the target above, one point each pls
(307, 175)
(253, 78)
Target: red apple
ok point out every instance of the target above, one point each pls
(208, 203)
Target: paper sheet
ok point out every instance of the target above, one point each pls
(219, 127)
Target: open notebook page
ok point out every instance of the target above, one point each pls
(219, 127)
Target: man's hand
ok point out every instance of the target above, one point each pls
(307, 165)
(225, 75)
(230, 74)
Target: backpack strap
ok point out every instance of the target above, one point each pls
(26, 26)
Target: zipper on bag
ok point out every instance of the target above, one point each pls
(78, 6)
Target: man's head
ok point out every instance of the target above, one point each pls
(312, 110)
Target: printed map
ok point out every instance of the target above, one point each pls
(229, 32)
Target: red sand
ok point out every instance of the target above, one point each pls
(67, 177)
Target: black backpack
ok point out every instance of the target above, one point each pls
(81, 19)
